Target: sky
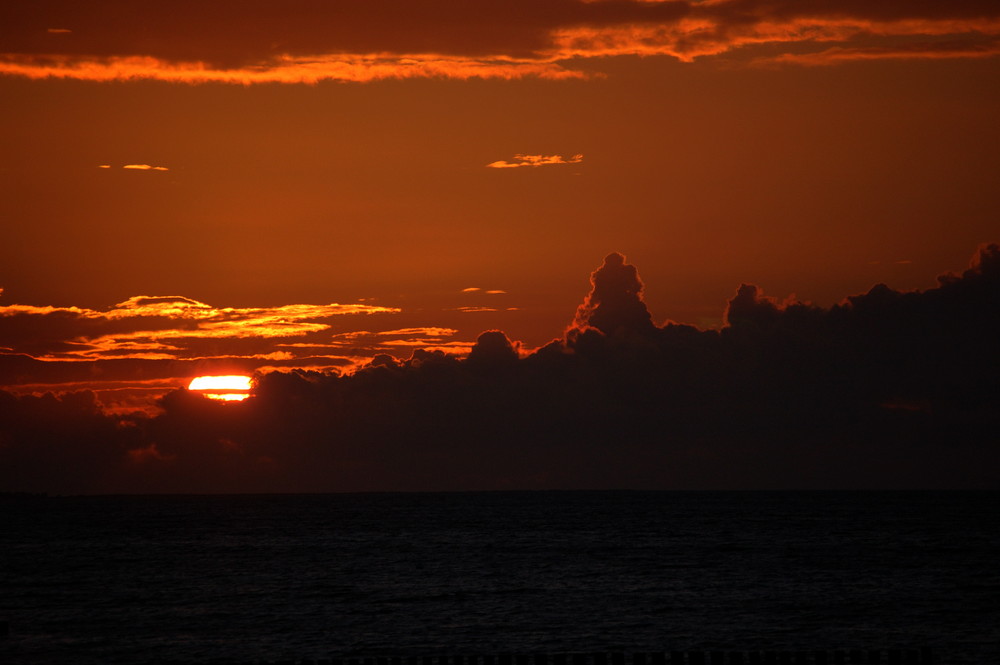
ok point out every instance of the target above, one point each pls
(194, 188)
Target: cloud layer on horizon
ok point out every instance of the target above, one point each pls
(888, 389)
(306, 42)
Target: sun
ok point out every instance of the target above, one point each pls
(227, 388)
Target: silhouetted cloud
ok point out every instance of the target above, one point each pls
(305, 42)
(614, 305)
(887, 389)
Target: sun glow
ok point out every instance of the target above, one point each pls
(228, 388)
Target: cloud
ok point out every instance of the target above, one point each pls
(360, 41)
(368, 344)
(614, 305)
(164, 337)
(534, 160)
(431, 331)
(914, 51)
(717, 28)
(471, 289)
(145, 167)
(493, 348)
(355, 68)
(887, 389)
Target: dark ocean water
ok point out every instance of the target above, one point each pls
(108, 580)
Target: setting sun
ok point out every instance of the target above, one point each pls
(229, 388)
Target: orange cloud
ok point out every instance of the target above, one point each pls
(356, 68)
(534, 160)
(432, 331)
(451, 348)
(924, 50)
(164, 327)
(713, 30)
(145, 167)
(359, 41)
(476, 289)
(366, 343)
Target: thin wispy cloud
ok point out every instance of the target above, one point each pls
(360, 41)
(534, 160)
(169, 339)
(136, 167)
(922, 50)
(356, 68)
(145, 167)
(163, 327)
(367, 344)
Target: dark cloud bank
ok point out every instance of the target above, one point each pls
(886, 390)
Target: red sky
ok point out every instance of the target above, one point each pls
(322, 178)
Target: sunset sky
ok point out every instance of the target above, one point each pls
(215, 187)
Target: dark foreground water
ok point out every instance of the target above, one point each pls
(191, 578)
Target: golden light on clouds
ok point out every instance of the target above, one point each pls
(837, 55)
(253, 321)
(167, 327)
(361, 45)
(429, 338)
(712, 30)
(357, 68)
(145, 167)
(534, 160)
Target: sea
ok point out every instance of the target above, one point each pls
(88, 580)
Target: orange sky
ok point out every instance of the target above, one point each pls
(191, 187)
